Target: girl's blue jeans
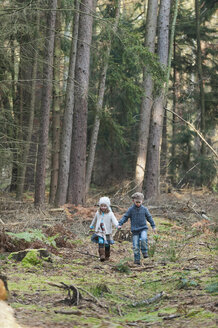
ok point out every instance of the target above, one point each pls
(139, 242)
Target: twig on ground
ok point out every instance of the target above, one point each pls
(68, 312)
(73, 299)
(2, 222)
(87, 253)
(142, 268)
(119, 310)
(171, 316)
(96, 300)
(149, 300)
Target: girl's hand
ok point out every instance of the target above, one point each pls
(118, 227)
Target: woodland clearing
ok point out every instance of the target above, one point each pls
(175, 287)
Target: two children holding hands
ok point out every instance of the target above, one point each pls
(104, 220)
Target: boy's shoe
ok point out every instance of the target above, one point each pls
(145, 255)
(137, 262)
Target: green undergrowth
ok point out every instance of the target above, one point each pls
(33, 235)
(180, 264)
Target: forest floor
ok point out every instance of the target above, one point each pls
(176, 286)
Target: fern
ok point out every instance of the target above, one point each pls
(33, 235)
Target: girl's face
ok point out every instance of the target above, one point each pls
(137, 202)
(103, 207)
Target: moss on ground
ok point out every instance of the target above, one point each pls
(182, 266)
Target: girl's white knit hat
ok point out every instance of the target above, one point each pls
(105, 200)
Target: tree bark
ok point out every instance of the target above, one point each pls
(175, 102)
(152, 188)
(76, 189)
(56, 112)
(64, 163)
(23, 166)
(46, 104)
(147, 100)
(200, 78)
(94, 136)
(164, 145)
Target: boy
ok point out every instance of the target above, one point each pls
(139, 215)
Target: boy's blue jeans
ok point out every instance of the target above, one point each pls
(139, 242)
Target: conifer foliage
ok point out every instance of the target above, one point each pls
(84, 101)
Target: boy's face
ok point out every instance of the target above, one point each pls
(103, 207)
(137, 202)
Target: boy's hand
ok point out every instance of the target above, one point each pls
(154, 230)
(118, 227)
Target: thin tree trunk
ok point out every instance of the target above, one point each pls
(22, 168)
(147, 100)
(46, 104)
(94, 136)
(18, 115)
(200, 78)
(153, 164)
(175, 100)
(76, 190)
(64, 163)
(56, 112)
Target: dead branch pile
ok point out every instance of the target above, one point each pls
(64, 236)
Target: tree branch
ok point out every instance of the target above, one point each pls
(195, 130)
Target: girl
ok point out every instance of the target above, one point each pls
(103, 220)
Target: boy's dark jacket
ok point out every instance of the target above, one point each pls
(138, 217)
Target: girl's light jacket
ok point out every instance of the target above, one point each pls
(108, 220)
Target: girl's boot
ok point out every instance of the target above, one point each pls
(101, 250)
(107, 252)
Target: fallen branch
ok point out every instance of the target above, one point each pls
(142, 268)
(53, 210)
(87, 253)
(171, 316)
(68, 312)
(149, 300)
(197, 213)
(72, 299)
(119, 310)
(96, 300)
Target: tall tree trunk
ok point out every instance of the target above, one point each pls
(64, 162)
(76, 190)
(151, 25)
(163, 156)
(200, 77)
(94, 136)
(56, 111)
(23, 166)
(153, 163)
(46, 104)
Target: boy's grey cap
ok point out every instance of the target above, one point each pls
(138, 196)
